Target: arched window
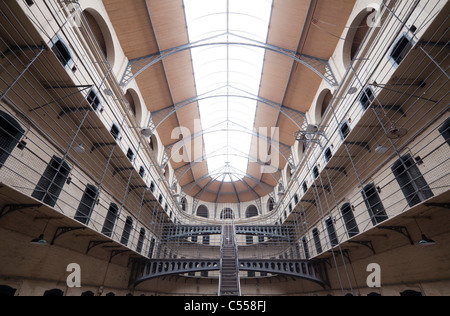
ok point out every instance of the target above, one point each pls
(270, 204)
(142, 172)
(110, 220)
(52, 182)
(331, 232)
(127, 231)
(349, 219)
(344, 130)
(296, 199)
(305, 187)
(141, 240)
(374, 205)
(62, 52)
(305, 247)
(203, 211)
(84, 211)
(316, 172)
(317, 242)
(401, 49)
(328, 154)
(10, 134)
(115, 131)
(412, 183)
(151, 248)
(94, 100)
(130, 155)
(366, 98)
(251, 211)
(227, 213)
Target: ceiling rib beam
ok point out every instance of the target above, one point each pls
(319, 66)
(158, 117)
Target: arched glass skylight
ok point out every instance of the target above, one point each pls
(222, 69)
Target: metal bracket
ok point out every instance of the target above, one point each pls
(135, 187)
(100, 145)
(395, 108)
(367, 244)
(323, 187)
(64, 230)
(401, 230)
(68, 111)
(95, 243)
(313, 202)
(440, 205)
(20, 49)
(115, 253)
(118, 170)
(340, 169)
(10, 208)
(364, 145)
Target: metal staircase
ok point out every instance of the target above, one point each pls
(229, 284)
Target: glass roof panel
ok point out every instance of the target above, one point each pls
(224, 67)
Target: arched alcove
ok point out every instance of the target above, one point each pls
(357, 32)
(154, 146)
(134, 101)
(322, 104)
(288, 175)
(167, 173)
(99, 28)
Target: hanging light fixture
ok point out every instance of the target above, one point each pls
(147, 132)
(425, 241)
(79, 149)
(40, 241)
(396, 133)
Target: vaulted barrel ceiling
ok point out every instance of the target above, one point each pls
(149, 27)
